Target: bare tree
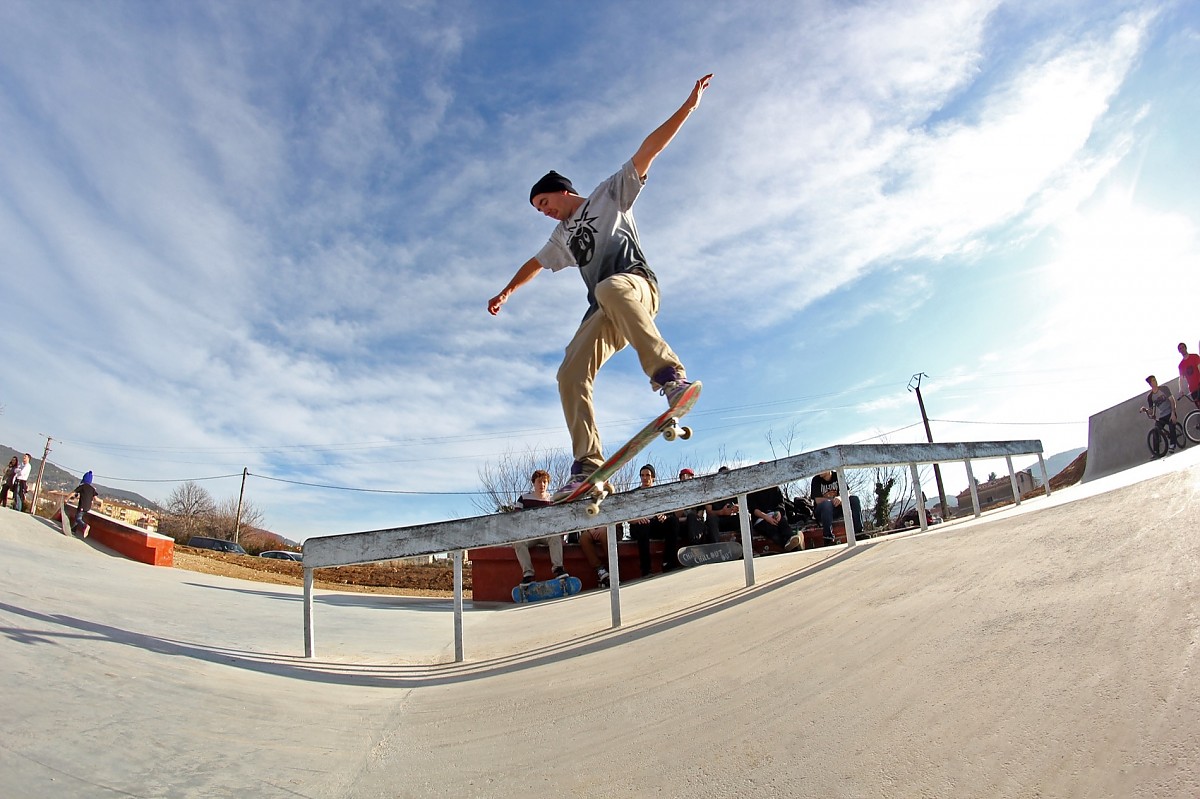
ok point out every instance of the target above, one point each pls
(188, 510)
(784, 445)
(224, 517)
(508, 477)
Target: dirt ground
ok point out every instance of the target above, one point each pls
(391, 577)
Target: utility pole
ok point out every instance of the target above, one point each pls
(37, 485)
(237, 524)
(915, 385)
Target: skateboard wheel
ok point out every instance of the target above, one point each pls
(593, 509)
(669, 433)
(685, 433)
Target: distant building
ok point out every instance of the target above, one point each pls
(996, 491)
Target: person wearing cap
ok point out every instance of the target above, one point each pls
(87, 494)
(597, 234)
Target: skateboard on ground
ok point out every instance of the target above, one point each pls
(547, 589)
(709, 553)
(667, 425)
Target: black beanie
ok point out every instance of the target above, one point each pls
(551, 181)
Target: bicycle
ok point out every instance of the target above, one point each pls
(1167, 436)
(1191, 422)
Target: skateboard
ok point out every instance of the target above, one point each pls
(709, 553)
(68, 524)
(667, 425)
(547, 589)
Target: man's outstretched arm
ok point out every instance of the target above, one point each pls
(528, 271)
(657, 141)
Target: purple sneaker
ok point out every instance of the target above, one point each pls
(671, 384)
(674, 390)
(574, 481)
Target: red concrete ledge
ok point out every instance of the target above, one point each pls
(495, 571)
(132, 542)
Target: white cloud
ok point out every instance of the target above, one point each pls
(277, 228)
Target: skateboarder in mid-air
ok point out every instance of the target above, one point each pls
(597, 234)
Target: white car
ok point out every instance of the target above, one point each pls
(280, 554)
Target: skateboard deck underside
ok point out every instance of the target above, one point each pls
(709, 553)
(547, 589)
(639, 442)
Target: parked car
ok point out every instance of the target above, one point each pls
(911, 519)
(281, 554)
(204, 542)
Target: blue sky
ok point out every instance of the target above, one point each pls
(263, 235)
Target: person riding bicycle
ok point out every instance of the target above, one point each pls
(1160, 406)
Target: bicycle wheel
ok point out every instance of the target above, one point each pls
(1178, 434)
(1157, 442)
(1191, 426)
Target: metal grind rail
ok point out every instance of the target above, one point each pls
(458, 535)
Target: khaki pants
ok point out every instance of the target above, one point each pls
(628, 304)
(555, 542)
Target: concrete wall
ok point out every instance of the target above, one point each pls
(1117, 436)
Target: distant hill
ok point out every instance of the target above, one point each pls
(56, 479)
(1056, 463)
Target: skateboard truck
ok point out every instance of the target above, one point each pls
(673, 431)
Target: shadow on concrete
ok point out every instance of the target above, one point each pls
(53, 628)
(346, 600)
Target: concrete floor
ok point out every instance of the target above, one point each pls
(1046, 650)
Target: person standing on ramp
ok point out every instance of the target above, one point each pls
(598, 235)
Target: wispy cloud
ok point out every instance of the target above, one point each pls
(265, 235)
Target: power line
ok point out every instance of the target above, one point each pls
(371, 490)
(1016, 424)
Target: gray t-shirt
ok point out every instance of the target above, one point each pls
(601, 237)
(1159, 401)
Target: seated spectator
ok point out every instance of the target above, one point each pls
(827, 504)
(767, 516)
(662, 527)
(695, 523)
(725, 512)
(539, 497)
(591, 541)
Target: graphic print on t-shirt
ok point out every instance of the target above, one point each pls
(581, 237)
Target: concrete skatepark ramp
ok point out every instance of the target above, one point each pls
(1047, 650)
(1117, 435)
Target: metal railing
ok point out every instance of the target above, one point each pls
(503, 528)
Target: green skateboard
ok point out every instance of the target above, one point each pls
(666, 425)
